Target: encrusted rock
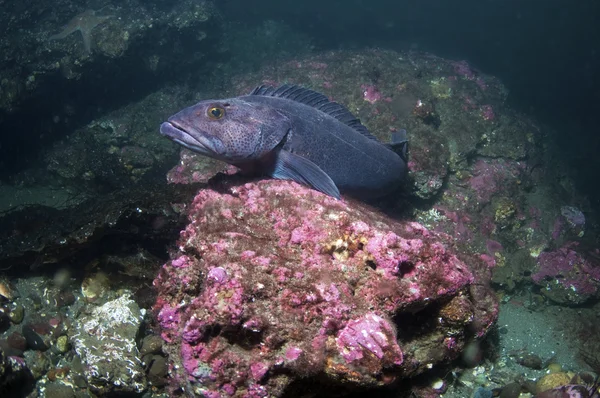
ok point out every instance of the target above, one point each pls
(566, 276)
(105, 341)
(275, 282)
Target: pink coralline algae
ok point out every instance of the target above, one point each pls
(493, 247)
(194, 168)
(487, 112)
(571, 391)
(276, 283)
(491, 177)
(567, 277)
(574, 220)
(370, 337)
(494, 250)
(371, 93)
(464, 70)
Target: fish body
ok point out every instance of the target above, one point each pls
(296, 134)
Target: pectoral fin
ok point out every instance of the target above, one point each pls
(289, 166)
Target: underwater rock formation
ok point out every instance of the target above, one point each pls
(62, 58)
(274, 282)
(566, 276)
(106, 342)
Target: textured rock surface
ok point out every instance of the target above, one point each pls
(566, 276)
(274, 282)
(37, 235)
(130, 49)
(105, 341)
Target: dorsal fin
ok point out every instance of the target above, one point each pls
(315, 100)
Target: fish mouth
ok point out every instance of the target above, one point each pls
(196, 141)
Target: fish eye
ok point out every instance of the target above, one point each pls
(215, 112)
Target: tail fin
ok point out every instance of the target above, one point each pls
(399, 144)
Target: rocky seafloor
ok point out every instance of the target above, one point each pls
(148, 276)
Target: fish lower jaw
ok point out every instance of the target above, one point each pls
(202, 151)
(187, 140)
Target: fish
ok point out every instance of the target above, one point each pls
(293, 133)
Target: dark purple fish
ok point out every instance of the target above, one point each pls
(293, 133)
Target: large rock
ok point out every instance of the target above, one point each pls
(274, 282)
(38, 235)
(105, 341)
(566, 276)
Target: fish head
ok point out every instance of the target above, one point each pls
(231, 130)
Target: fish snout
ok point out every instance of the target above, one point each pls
(193, 139)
